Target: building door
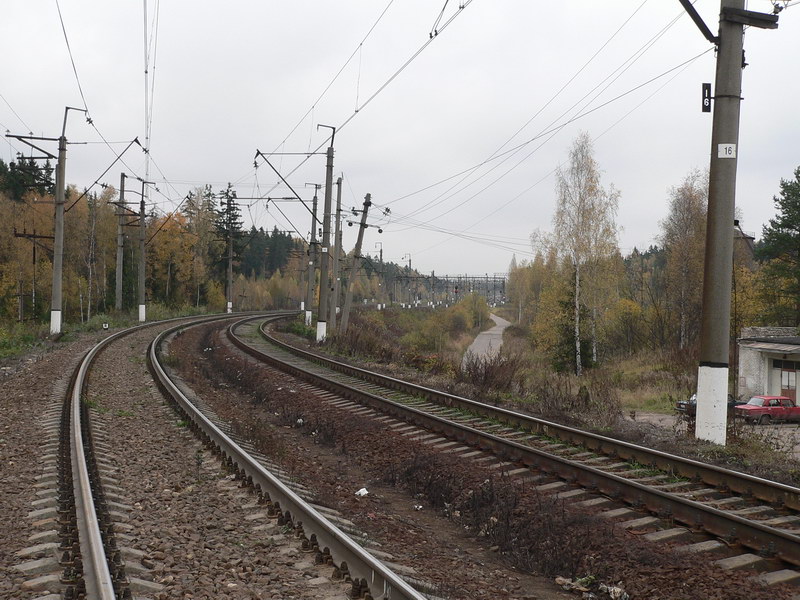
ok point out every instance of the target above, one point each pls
(789, 379)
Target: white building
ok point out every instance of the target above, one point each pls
(769, 359)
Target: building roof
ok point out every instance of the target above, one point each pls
(782, 345)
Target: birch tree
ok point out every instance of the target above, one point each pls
(585, 229)
(683, 238)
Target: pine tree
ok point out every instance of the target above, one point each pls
(779, 250)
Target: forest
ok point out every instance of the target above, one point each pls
(581, 301)
(185, 254)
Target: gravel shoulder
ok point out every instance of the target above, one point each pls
(32, 385)
(279, 413)
(188, 530)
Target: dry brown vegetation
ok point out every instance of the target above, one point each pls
(535, 532)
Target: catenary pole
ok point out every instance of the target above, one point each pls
(337, 251)
(229, 277)
(712, 374)
(142, 258)
(324, 259)
(58, 236)
(355, 264)
(120, 243)
(312, 270)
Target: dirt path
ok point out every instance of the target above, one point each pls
(488, 342)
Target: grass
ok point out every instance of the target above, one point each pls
(95, 405)
(17, 339)
(647, 400)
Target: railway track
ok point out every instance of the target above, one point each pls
(674, 496)
(88, 550)
(79, 497)
(321, 536)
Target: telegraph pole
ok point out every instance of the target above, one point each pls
(334, 299)
(712, 374)
(120, 243)
(324, 283)
(312, 250)
(355, 264)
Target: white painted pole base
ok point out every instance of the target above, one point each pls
(308, 318)
(712, 404)
(230, 307)
(379, 306)
(55, 322)
(322, 331)
(302, 305)
(142, 313)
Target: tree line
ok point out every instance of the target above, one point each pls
(185, 253)
(582, 301)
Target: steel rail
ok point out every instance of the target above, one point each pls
(97, 577)
(742, 483)
(383, 582)
(96, 574)
(728, 526)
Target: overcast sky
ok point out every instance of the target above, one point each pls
(230, 78)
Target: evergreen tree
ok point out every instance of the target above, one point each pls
(17, 178)
(779, 250)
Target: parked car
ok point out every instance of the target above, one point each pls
(689, 407)
(765, 409)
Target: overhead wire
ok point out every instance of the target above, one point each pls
(610, 127)
(96, 181)
(383, 86)
(16, 114)
(443, 197)
(467, 172)
(552, 131)
(71, 58)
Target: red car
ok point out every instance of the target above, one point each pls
(764, 409)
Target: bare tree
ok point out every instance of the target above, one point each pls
(683, 237)
(585, 229)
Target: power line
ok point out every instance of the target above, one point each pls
(526, 190)
(383, 86)
(441, 198)
(96, 181)
(310, 111)
(72, 60)
(28, 127)
(471, 170)
(558, 128)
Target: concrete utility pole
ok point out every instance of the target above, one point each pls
(712, 374)
(355, 263)
(58, 235)
(229, 291)
(324, 283)
(58, 227)
(142, 257)
(120, 242)
(334, 299)
(312, 251)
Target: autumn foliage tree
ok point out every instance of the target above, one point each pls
(585, 231)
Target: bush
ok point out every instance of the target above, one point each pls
(500, 372)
